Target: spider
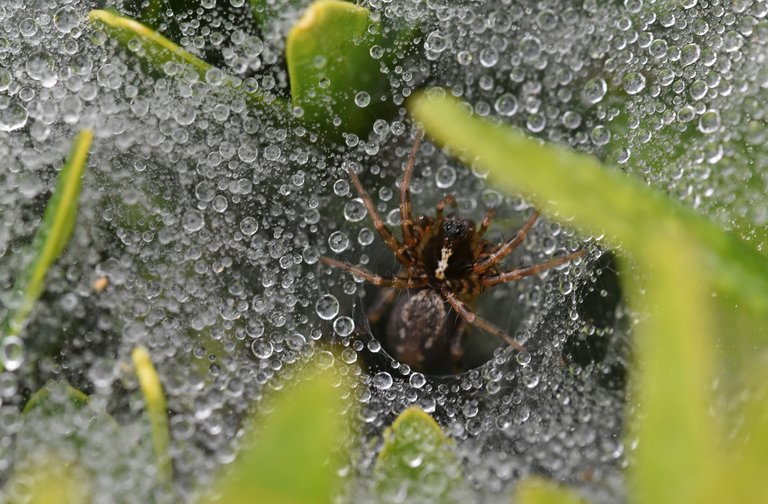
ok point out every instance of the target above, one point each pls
(446, 263)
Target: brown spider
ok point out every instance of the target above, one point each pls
(444, 260)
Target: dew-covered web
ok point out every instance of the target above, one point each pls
(209, 219)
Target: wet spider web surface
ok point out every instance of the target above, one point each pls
(209, 220)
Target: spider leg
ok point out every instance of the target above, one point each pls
(457, 346)
(386, 235)
(406, 212)
(398, 283)
(486, 222)
(506, 248)
(516, 274)
(479, 322)
(382, 302)
(448, 200)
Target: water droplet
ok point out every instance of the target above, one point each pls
(41, 66)
(249, 226)
(600, 135)
(376, 52)
(254, 328)
(698, 89)
(489, 57)
(362, 99)
(436, 42)
(594, 90)
(365, 237)
(417, 380)
(382, 380)
(214, 76)
(343, 326)
(732, 41)
(296, 341)
(530, 48)
(445, 177)
(262, 348)
(12, 353)
(65, 19)
(205, 191)
(13, 116)
(338, 241)
(327, 307)
(571, 119)
(192, 221)
(355, 211)
(709, 121)
(633, 82)
(325, 359)
(689, 54)
(506, 104)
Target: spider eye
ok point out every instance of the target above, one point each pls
(453, 229)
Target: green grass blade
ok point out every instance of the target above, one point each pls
(157, 50)
(157, 411)
(677, 457)
(40, 399)
(328, 53)
(541, 491)
(417, 460)
(52, 236)
(290, 454)
(575, 185)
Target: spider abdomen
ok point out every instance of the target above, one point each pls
(420, 331)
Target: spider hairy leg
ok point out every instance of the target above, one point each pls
(447, 200)
(398, 283)
(406, 211)
(486, 223)
(472, 318)
(517, 274)
(506, 248)
(386, 235)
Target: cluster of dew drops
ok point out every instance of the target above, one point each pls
(219, 272)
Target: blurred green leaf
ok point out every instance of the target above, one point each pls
(747, 466)
(157, 50)
(417, 460)
(331, 67)
(599, 200)
(291, 454)
(678, 457)
(539, 491)
(157, 411)
(52, 481)
(52, 236)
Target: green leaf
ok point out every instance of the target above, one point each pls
(52, 480)
(541, 491)
(599, 200)
(157, 411)
(291, 454)
(158, 51)
(677, 457)
(51, 238)
(417, 460)
(328, 53)
(749, 465)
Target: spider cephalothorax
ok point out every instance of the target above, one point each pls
(446, 264)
